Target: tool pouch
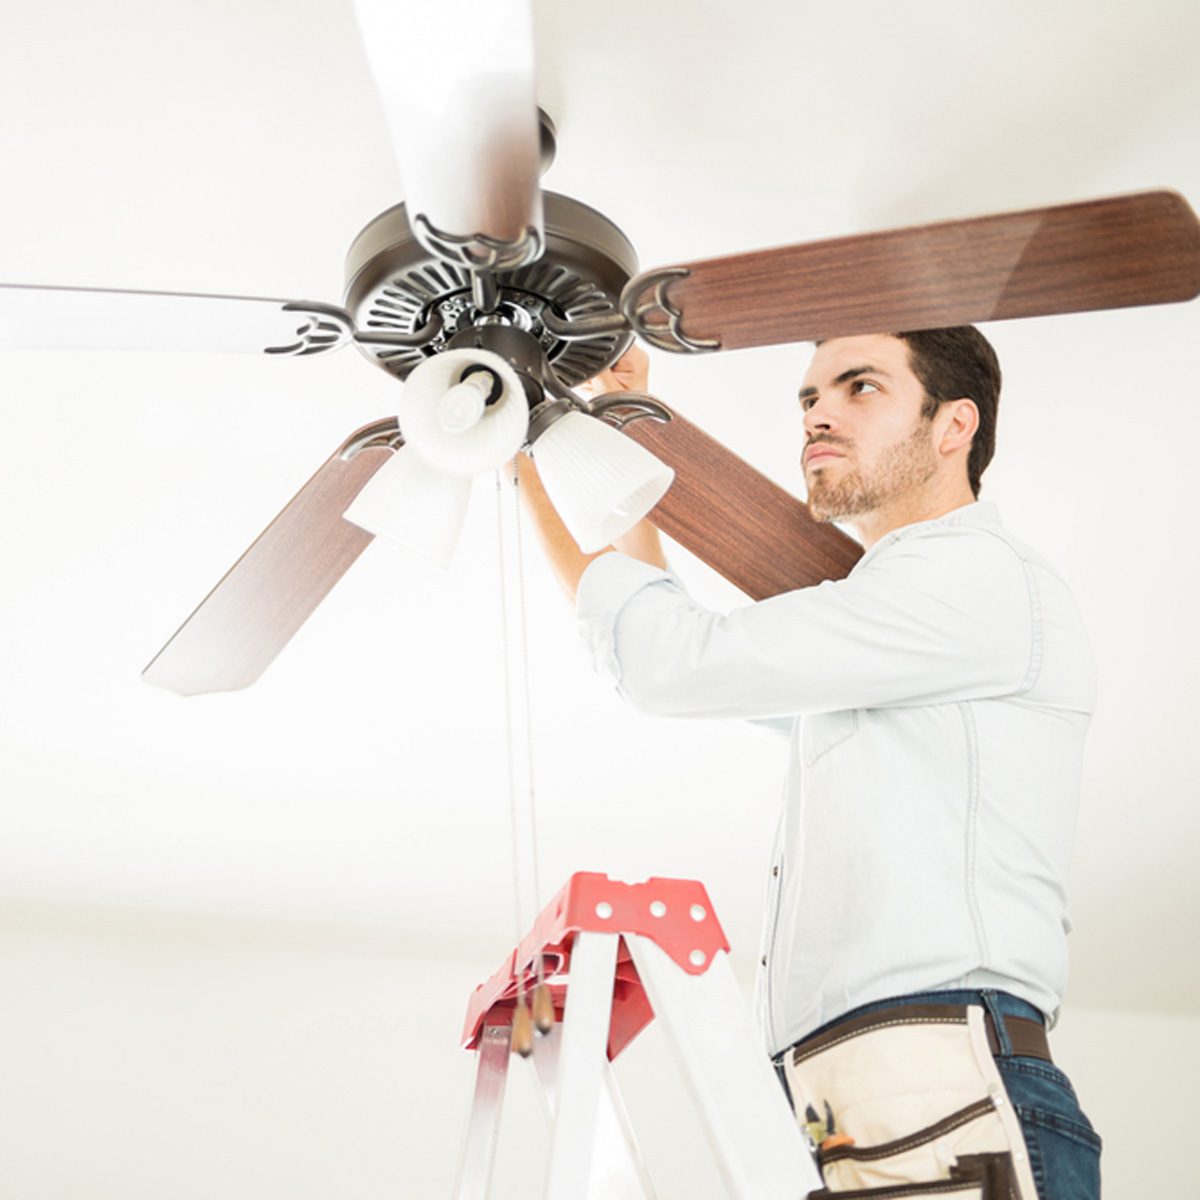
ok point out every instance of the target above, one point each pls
(918, 1090)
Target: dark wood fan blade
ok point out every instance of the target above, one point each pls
(760, 537)
(248, 618)
(1118, 252)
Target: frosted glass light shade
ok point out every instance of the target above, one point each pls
(601, 482)
(463, 438)
(414, 504)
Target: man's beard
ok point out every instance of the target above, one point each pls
(901, 467)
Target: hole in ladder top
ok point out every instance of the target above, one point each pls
(604, 910)
(698, 912)
(697, 958)
(658, 909)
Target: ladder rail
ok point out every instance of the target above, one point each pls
(759, 1147)
(581, 1065)
(478, 1161)
(618, 1172)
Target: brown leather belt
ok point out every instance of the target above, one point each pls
(1027, 1037)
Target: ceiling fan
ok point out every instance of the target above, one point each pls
(480, 260)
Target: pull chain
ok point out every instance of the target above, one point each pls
(522, 611)
(543, 1003)
(509, 720)
(542, 1015)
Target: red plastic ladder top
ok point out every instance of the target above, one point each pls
(676, 914)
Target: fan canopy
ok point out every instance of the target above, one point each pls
(394, 285)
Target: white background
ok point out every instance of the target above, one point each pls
(239, 930)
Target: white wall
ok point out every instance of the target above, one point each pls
(187, 1059)
(141, 1059)
(1136, 1074)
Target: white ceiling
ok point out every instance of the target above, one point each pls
(236, 146)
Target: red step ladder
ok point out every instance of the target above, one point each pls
(625, 954)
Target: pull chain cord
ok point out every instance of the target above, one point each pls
(523, 1021)
(523, 614)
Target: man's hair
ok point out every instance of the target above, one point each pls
(953, 363)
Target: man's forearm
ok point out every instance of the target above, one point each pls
(567, 561)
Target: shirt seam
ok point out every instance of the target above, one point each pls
(972, 834)
(1034, 670)
(1034, 666)
(768, 989)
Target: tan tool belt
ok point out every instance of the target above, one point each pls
(908, 1102)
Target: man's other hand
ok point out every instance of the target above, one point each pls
(630, 373)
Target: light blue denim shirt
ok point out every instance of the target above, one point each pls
(943, 691)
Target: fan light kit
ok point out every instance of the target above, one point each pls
(601, 483)
(481, 261)
(415, 505)
(465, 412)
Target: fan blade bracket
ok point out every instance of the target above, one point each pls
(621, 409)
(325, 327)
(382, 435)
(479, 251)
(578, 329)
(419, 337)
(657, 320)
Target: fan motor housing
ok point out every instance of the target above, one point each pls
(394, 285)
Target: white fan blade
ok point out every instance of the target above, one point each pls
(63, 318)
(457, 85)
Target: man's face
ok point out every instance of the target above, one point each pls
(866, 443)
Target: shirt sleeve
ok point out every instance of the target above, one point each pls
(938, 617)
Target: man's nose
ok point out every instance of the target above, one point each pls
(818, 417)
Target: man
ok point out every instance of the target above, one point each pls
(917, 905)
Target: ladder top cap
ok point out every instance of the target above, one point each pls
(676, 914)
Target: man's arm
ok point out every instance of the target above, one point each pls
(629, 373)
(943, 616)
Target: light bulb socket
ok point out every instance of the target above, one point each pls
(520, 350)
(497, 387)
(548, 413)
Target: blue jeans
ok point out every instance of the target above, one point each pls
(1064, 1149)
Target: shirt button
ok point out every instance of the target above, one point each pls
(775, 872)
(764, 960)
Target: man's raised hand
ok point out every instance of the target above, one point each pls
(630, 373)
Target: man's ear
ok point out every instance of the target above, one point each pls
(959, 419)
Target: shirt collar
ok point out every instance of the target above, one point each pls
(984, 513)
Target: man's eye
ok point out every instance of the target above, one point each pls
(807, 403)
(858, 385)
